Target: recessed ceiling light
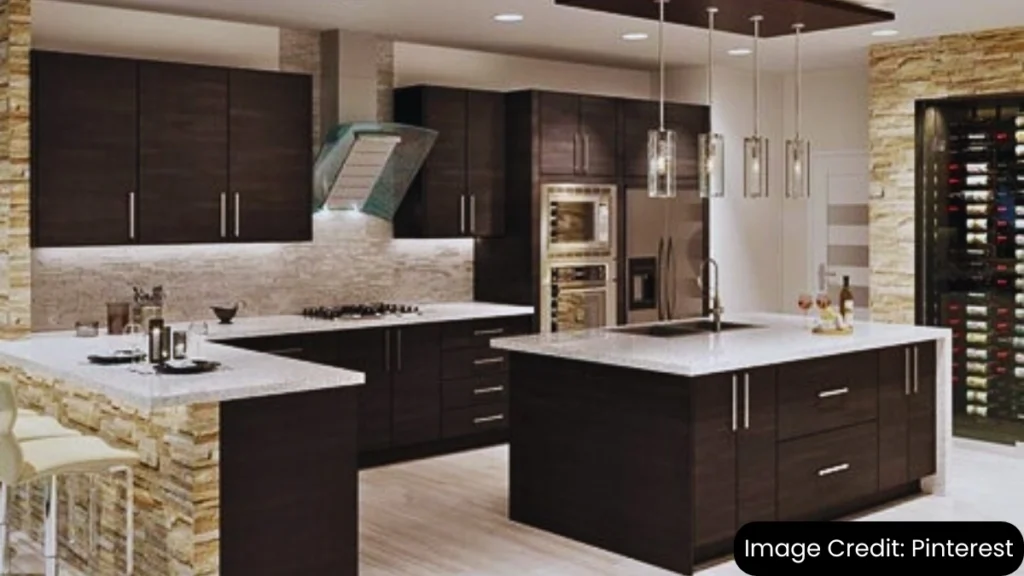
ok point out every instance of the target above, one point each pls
(635, 36)
(509, 17)
(882, 33)
(740, 52)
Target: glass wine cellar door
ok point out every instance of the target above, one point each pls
(970, 254)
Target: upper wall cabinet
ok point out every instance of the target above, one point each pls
(640, 116)
(460, 191)
(159, 153)
(578, 135)
(84, 141)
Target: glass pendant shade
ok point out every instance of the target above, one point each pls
(755, 167)
(798, 168)
(712, 165)
(661, 163)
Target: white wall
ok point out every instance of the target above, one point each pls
(419, 64)
(70, 27)
(834, 119)
(746, 234)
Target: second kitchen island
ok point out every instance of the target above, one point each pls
(660, 444)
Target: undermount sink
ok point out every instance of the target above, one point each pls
(683, 328)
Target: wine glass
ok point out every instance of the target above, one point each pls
(197, 333)
(823, 301)
(805, 301)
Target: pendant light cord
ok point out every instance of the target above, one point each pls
(757, 76)
(799, 81)
(711, 54)
(661, 64)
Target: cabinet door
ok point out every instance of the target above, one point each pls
(270, 156)
(416, 381)
(598, 133)
(364, 351)
(485, 166)
(921, 414)
(755, 448)
(445, 200)
(689, 121)
(894, 390)
(559, 134)
(84, 122)
(715, 423)
(638, 117)
(183, 156)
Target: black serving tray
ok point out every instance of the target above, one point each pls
(117, 357)
(195, 367)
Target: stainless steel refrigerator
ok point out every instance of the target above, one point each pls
(665, 245)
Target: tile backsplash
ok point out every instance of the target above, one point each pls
(351, 259)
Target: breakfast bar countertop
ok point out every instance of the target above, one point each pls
(773, 339)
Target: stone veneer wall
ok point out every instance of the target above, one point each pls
(15, 254)
(989, 62)
(352, 257)
(177, 491)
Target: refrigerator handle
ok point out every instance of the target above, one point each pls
(660, 291)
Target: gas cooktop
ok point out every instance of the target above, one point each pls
(358, 311)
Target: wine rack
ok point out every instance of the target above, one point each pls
(971, 203)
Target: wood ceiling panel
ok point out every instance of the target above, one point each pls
(734, 15)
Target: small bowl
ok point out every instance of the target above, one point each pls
(225, 315)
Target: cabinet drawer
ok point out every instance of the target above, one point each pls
(826, 394)
(820, 472)
(478, 391)
(473, 362)
(469, 421)
(478, 333)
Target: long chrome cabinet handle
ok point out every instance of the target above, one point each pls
(131, 215)
(586, 153)
(734, 417)
(833, 393)
(486, 419)
(223, 214)
(484, 361)
(661, 291)
(577, 152)
(493, 332)
(491, 390)
(834, 469)
(746, 401)
(238, 216)
(906, 371)
(462, 213)
(285, 352)
(916, 367)
(472, 213)
(387, 350)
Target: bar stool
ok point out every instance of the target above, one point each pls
(48, 458)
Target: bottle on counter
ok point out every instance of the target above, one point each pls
(846, 305)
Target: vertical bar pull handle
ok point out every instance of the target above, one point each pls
(131, 215)
(238, 217)
(735, 424)
(223, 214)
(916, 368)
(906, 371)
(462, 213)
(746, 400)
(472, 213)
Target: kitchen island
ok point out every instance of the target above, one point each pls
(247, 470)
(660, 443)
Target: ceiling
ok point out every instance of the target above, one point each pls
(550, 31)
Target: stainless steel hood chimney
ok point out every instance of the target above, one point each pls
(368, 166)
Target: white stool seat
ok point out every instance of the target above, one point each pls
(71, 455)
(39, 427)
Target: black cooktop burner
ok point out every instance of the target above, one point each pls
(372, 310)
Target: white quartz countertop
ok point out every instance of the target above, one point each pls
(777, 340)
(250, 327)
(243, 374)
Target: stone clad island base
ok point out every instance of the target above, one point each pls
(664, 463)
(258, 486)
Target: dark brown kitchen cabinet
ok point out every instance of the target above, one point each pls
(129, 151)
(415, 369)
(270, 156)
(84, 170)
(734, 447)
(183, 153)
(577, 135)
(906, 419)
(640, 116)
(460, 191)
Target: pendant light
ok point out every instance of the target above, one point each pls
(711, 146)
(798, 150)
(661, 143)
(755, 148)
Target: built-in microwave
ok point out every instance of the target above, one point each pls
(578, 220)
